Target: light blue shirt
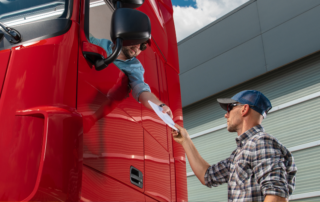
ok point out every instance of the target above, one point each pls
(132, 68)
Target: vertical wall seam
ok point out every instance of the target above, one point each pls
(263, 48)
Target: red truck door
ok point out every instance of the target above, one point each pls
(157, 169)
(4, 55)
(113, 150)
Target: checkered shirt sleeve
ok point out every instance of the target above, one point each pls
(259, 166)
(273, 165)
(218, 174)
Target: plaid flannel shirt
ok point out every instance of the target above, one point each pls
(259, 166)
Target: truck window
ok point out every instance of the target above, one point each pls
(22, 11)
(100, 19)
(33, 20)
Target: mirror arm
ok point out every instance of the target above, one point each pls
(101, 64)
(119, 5)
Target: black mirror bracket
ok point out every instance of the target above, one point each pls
(13, 33)
(101, 64)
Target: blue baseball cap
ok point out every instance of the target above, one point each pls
(255, 99)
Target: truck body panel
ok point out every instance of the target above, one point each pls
(51, 147)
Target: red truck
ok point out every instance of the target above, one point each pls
(50, 85)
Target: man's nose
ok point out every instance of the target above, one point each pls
(136, 46)
(226, 115)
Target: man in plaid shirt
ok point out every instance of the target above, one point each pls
(260, 168)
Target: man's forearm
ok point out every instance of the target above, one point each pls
(197, 163)
(273, 198)
(145, 96)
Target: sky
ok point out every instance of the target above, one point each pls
(192, 15)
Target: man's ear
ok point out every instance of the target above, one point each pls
(245, 110)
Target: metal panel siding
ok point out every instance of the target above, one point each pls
(293, 39)
(298, 82)
(293, 126)
(289, 31)
(308, 164)
(215, 146)
(233, 31)
(314, 199)
(214, 73)
(199, 192)
(275, 12)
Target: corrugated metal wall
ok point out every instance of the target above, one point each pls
(295, 125)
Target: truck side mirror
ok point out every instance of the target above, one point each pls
(128, 3)
(128, 27)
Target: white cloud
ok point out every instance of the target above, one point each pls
(189, 19)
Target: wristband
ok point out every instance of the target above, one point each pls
(162, 105)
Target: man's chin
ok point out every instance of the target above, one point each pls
(129, 56)
(231, 129)
(132, 54)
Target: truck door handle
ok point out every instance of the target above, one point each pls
(136, 177)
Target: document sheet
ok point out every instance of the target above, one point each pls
(164, 116)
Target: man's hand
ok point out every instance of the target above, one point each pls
(166, 109)
(197, 163)
(145, 96)
(181, 136)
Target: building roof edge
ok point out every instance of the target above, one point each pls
(216, 21)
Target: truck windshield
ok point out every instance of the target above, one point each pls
(15, 12)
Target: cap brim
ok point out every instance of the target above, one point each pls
(224, 102)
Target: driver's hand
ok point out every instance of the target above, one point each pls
(166, 109)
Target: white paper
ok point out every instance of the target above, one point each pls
(164, 116)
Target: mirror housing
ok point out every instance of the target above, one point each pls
(128, 27)
(1, 36)
(132, 26)
(128, 3)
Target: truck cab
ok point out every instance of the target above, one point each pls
(53, 146)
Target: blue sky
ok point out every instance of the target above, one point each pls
(192, 15)
(184, 3)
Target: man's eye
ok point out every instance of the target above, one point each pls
(143, 46)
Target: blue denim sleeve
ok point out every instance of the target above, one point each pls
(138, 89)
(132, 68)
(136, 80)
(104, 43)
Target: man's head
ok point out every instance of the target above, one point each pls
(249, 105)
(133, 51)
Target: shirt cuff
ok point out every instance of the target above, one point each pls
(275, 191)
(138, 89)
(274, 180)
(209, 178)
